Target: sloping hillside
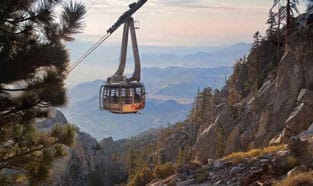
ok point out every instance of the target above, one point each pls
(267, 101)
(257, 130)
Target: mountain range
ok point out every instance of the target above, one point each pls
(170, 92)
(104, 61)
(172, 77)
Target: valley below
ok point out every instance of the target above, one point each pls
(170, 93)
(172, 76)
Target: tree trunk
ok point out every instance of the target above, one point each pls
(288, 9)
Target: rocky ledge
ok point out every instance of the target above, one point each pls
(245, 169)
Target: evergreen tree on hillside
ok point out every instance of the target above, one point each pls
(273, 24)
(291, 8)
(286, 12)
(208, 107)
(203, 112)
(196, 110)
(33, 63)
(257, 40)
(234, 95)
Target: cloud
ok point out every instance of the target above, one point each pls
(180, 22)
(193, 4)
(181, 3)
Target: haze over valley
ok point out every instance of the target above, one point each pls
(172, 77)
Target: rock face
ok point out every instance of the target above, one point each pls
(263, 170)
(88, 165)
(179, 140)
(82, 161)
(301, 146)
(213, 138)
(282, 103)
(59, 166)
(85, 163)
(55, 117)
(301, 117)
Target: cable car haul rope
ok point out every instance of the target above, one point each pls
(88, 52)
(119, 94)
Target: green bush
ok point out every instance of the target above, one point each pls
(142, 178)
(164, 171)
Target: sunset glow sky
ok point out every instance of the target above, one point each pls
(181, 22)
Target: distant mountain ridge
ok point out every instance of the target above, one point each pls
(177, 82)
(154, 56)
(170, 92)
(104, 61)
(225, 56)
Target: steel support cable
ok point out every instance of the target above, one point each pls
(88, 52)
(92, 48)
(132, 9)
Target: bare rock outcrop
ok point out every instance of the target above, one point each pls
(55, 117)
(301, 146)
(263, 170)
(301, 117)
(88, 165)
(85, 163)
(212, 139)
(59, 165)
(283, 102)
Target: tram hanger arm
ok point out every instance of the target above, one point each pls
(132, 9)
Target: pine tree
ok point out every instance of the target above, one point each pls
(207, 107)
(254, 71)
(142, 178)
(257, 40)
(180, 160)
(286, 12)
(220, 141)
(271, 21)
(234, 96)
(33, 63)
(132, 158)
(199, 108)
(196, 109)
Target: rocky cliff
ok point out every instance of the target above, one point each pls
(85, 163)
(267, 166)
(259, 122)
(279, 109)
(267, 101)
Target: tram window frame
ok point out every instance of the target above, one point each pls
(131, 92)
(123, 92)
(138, 90)
(106, 93)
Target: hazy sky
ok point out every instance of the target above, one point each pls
(181, 22)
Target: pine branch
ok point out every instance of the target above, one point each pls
(28, 152)
(43, 105)
(31, 49)
(71, 20)
(14, 90)
(21, 19)
(13, 110)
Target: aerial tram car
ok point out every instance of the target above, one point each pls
(122, 95)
